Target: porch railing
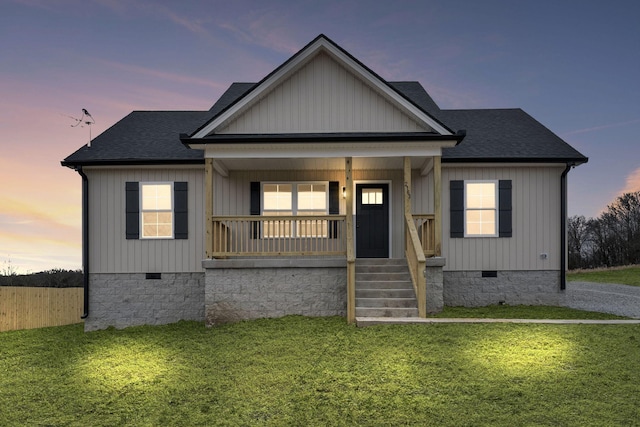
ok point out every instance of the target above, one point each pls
(417, 263)
(242, 236)
(425, 227)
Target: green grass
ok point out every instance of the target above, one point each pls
(523, 312)
(298, 371)
(629, 275)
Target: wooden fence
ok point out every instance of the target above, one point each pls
(28, 308)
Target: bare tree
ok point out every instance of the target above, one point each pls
(609, 240)
(578, 235)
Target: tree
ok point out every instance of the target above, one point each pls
(609, 240)
(577, 234)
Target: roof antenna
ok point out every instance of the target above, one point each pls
(85, 119)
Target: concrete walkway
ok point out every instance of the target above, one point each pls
(621, 300)
(369, 321)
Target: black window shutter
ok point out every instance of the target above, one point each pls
(180, 210)
(255, 208)
(334, 207)
(505, 208)
(132, 210)
(334, 198)
(456, 210)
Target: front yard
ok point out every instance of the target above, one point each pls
(320, 371)
(626, 275)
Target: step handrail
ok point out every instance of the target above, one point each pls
(417, 264)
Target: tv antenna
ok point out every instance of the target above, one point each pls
(85, 120)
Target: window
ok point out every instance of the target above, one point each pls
(480, 208)
(372, 196)
(161, 209)
(297, 199)
(157, 210)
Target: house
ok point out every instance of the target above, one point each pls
(290, 193)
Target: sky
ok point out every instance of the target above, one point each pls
(574, 65)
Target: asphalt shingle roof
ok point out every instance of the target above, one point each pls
(505, 134)
(491, 134)
(143, 137)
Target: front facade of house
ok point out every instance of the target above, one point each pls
(263, 205)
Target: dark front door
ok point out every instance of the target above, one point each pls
(372, 220)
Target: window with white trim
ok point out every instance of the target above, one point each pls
(156, 201)
(481, 209)
(295, 199)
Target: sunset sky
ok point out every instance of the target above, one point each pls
(574, 65)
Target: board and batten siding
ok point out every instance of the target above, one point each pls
(111, 252)
(421, 192)
(536, 221)
(323, 96)
(232, 193)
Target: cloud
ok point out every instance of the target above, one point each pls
(191, 25)
(149, 72)
(601, 127)
(632, 182)
(266, 28)
(52, 221)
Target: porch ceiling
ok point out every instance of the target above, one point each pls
(329, 163)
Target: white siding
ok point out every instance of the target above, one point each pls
(536, 221)
(421, 193)
(322, 96)
(111, 252)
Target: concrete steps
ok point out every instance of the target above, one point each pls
(384, 289)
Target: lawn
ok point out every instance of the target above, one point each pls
(298, 371)
(629, 275)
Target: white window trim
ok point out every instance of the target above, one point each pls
(294, 203)
(495, 183)
(294, 195)
(142, 211)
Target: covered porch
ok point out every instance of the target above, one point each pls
(256, 238)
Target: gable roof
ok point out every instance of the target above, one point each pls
(492, 135)
(320, 44)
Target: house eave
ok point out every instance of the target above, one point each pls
(322, 145)
(575, 161)
(318, 138)
(131, 162)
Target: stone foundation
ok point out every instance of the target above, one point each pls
(232, 290)
(435, 296)
(470, 289)
(250, 289)
(123, 300)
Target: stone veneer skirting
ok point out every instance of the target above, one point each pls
(130, 299)
(258, 288)
(232, 290)
(470, 289)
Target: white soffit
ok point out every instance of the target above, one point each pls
(296, 62)
(325, 149)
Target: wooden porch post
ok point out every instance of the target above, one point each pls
(208, 205)
(407, 183)
(437, 205)
(413, 249)
(351, 257)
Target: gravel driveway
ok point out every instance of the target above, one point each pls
(622, 300)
